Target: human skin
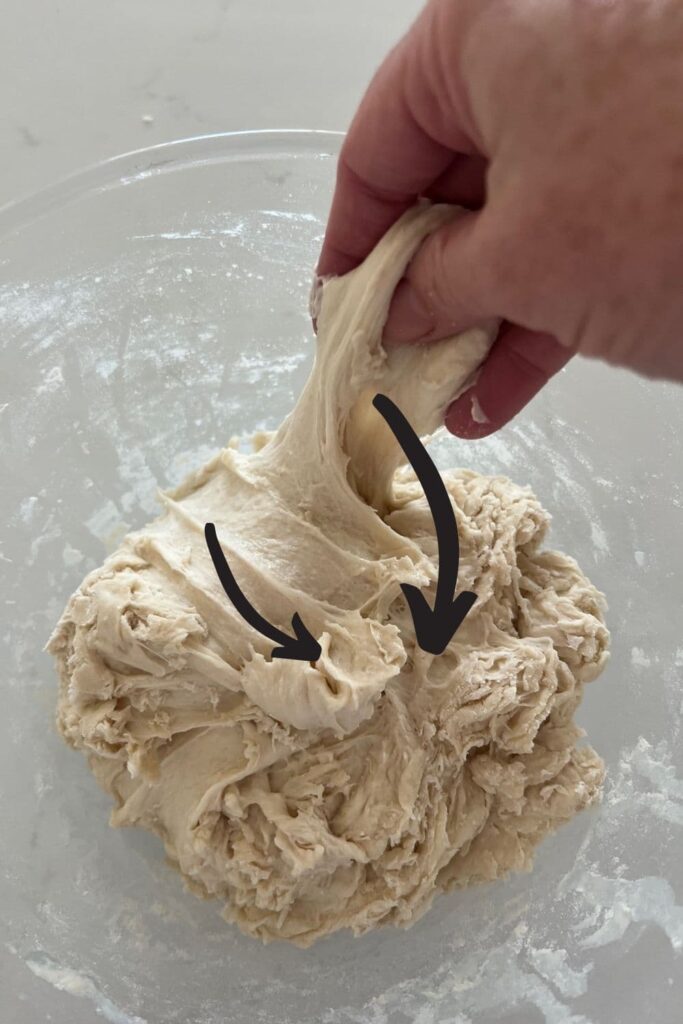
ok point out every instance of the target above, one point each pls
(559, 125)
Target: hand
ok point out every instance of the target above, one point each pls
(559, 124)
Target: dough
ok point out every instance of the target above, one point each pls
(342, 794)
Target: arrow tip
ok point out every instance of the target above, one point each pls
(304, 648)
(435, 627)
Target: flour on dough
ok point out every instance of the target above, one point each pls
(342, 794)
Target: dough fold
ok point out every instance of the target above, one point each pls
(310, 798)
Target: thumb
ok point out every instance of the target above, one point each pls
(447, 286)
(457, 280)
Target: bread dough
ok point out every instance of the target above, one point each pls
(346, 793)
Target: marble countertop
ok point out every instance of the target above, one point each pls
(82, 80)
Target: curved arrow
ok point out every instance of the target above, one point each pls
(433, 627)
(302, 647)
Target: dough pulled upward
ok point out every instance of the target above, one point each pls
(346, 793)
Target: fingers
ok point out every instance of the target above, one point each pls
(411, 137)
(402, 139)
(460, 277)
(517, 367)
(448, 285)
(456, 280)
(462, 183)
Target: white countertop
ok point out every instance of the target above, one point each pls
(82, 80)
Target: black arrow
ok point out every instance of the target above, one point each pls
(433, 627)
(303, 647)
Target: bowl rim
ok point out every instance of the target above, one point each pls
(136, 164)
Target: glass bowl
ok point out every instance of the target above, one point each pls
(150, 308)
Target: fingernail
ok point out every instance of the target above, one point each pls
(465, 418)
(409, 319)
(315, 296)
(476, 411)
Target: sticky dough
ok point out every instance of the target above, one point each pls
(307, 797)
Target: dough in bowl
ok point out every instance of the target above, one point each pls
(345, 793)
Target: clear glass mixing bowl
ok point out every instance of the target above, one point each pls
(150, 308)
